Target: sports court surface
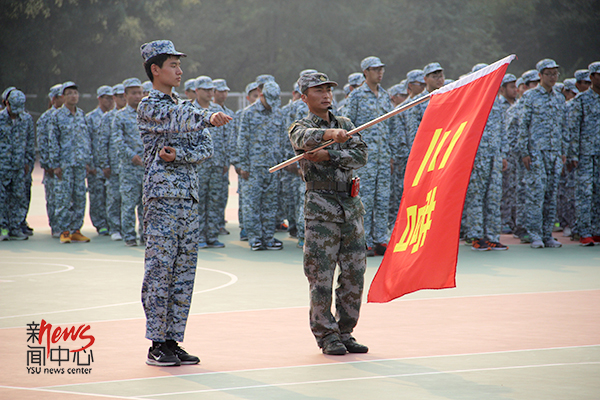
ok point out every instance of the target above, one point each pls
(521, 324)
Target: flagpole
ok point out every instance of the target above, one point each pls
(356, 130)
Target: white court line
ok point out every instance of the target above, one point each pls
(336, 364)
(232, 280)
(106, 396)
(68, 268)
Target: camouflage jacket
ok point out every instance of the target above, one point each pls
(362, 106)
(542, 123)
(107, 153)
(345, 158)
(220, 136)
(126, 138)
(584, 125)
(259, 139)
(17, 141)
(42, 130)
(167, 121)
(493, 142)
(93, 119)
(69, 139)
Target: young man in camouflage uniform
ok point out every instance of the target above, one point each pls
(56, 101)
(542, 149)
(128, 142)
(96, 181)
(365, 103)
(174, 143)
(17, 142)
(584, 151)
(259, 148)
(71, 157)
(334, 217)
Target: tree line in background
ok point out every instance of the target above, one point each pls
(96, 42)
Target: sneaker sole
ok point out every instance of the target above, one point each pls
(162, 364)
(496, 249)
(476, 249)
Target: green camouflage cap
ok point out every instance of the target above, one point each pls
(582, 75)
(308, 71)
(152, 49)
(312, 80)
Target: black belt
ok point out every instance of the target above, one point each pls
(335, 186)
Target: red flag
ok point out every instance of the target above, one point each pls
(423, 250)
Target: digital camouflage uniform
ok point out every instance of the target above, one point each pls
(128, 142)
(584, 129)
(225, 193)
(109, 159)
(542, 137)
(234, 159)
(399, 149)
(507, 203)
(482, 203)
(70, 150)
(362, 106)
(259, 148)
(334, 229)
(565, 198)
(292, 194)
(49, 179)
(170, 196)
(17, 149)
(96, 182)
(514, 191)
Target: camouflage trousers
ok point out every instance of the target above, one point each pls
(12, 190)
(260, 204)
(240, 192)
(587, 203)
(97, 196)
(224, 198)
(171, 232)
(540, 188)
(49, 182)
(113, 203)
(482, 203)
(326, 245)
(396, 190)
(69, 194)
(288, 197)
(210, 193)
(130, 186)
(565, 198)
(299, 192)
(375, 195)
(508, 206)
(26, 199)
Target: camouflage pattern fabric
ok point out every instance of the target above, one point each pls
(96, 182)
(334, 231)
(108, 158)
(49, 178)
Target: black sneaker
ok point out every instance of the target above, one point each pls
(17, 235)
(480, 245)
(496, 245)
(354, 347)
(131, 243)
(258, 245)
(370, 252)
(333, 346)
(274, 244)
(184, 357)
(160, 355)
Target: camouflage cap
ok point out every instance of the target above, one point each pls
(250, 87)
(204, 82)
(56, 89)
(307, 71)
(508, 78)
(221, 85)
(147, 86)
(104, 90)
(356, 79)
(371, 62)
(312, 80)
(132, 82)
(404, 86)
(16, 99)
(594, 67)
(296, 88)
(582, 75)
(545, 64)
(416, 75)
(118, 89)
(272, 92)
(346, 89)
(68, 85)
(394, 90)
(152, 49)
(190, 84)
(432, 67)
(262, 79)
(569, 84)
(519, 81)
(479, 66)
(7, 92)
(559, 86)
(530, 76)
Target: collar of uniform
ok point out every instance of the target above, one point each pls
(163, 96)
(130, 109)
(320, 121)
(63, 109)
(261, 107)
(541, 89)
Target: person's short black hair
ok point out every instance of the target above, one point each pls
(158, 60)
